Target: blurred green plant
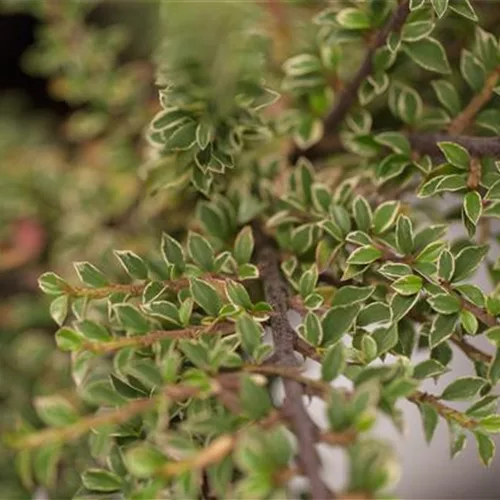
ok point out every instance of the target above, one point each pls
(310, 202)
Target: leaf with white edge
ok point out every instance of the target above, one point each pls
(248, 272)
(333, 362)
(307, 282)
(472, 293)
(172, 252)
(348, 295)
(493, 335)
(353, 19)
(244, 245)
(376, 312)
(401, 305)
(131, 319)
(484, 407)
(446, 265)
(101, 480)
(408, 285)
(337, 321)
(312, 330)
(238, 295)
(368, 348)
(468, 260)
(164, 310)
(494, 369)
(440, 7)
(444, 303)
(201, 251)
(68, 339)
(472, 70)
(362, 213)
(55, 411)
(414, 31)
(469, 322)
(490, 424)
(385, 216)
(364, 255)
(59, 309)
(250, 333)
(464, 8)
(429, 368)
(255, 398)
(205, 295)
(396, 141)
(447, 96)
(429, 54)
(442, 328)
(144, 460)
(52, 284)
(485, 447)
(430, 420)
(386, 338)
(133, 264)
(409, 105)
(473, 206)
(93, 331)
(392, 270)
(455, 154)
(463, 388)
(90, 275)
(404, 235)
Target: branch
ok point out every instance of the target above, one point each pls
(157, 335)
(477, 146)
(463, 120)
(276, 292)
(471, 351)
(118, 416)
(446, 412)
(347, 97)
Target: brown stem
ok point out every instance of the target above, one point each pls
(464, 119)
(472, 352)
(445, 411)
(276, 292)
(157, 335)
(348, 95)
(118, 416)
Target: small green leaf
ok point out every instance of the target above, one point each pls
(447, 96)
(408, 285)
(52, 284)
(250, 333)
(337, 321)
(59, 309)
(144, 460)
(429, 368)
(93, 331)
(312, 330)
(464, 8)
(131, 319)
(468, 260)
(255, 398)
(333, 362)
(362, 213)
(385, 216)
(440, 7)
(238, 295)
(430, 420)
(369, 348)
(455, 154)
(307, 282)
(463, 388)
(244, 245)
(473, 206)
(348, 295)
(90, 275)
(353, 19)
(404, 235)
(429, 54)
(446, 265)
(55, 411)
(493, 335)
(133, 264)
(485, 447)
(444, 303)
(364, 255)
(101, 480)
(386, 338)
(205, 296)
(68, 339)
(172, 252)
(201, 251)
(469, 322)
(442, 328)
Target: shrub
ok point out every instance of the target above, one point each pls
(317, 159)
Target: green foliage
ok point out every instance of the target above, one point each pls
(173, 368)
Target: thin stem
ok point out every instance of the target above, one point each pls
(347, 97)
(465, 118)
(276, 292)
(118, 416)
(157, 335)
(471, 351)
(445, 411)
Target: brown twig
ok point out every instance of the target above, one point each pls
(276, 292)
(157, 335)
(347, 97)
(464, 119)
(471, 351)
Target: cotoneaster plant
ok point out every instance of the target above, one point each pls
(325, 154)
